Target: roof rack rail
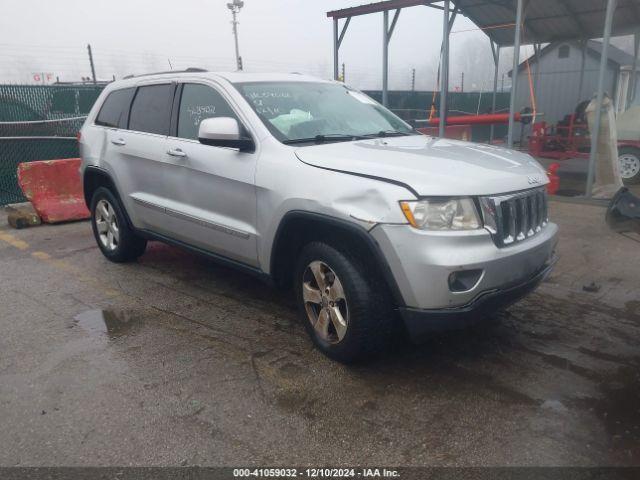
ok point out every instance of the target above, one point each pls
(188, 70)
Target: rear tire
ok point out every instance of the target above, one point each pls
(629, 162)
(348, 312)
(117, 241)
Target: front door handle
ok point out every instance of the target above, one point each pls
(176, 152)
(118, 142)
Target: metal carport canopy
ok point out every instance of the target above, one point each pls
(513, 22)
(547, 21)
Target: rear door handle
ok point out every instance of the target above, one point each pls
(176, 152)
(118, 142)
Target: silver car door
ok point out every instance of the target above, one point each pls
(148, 175)
(215, 208)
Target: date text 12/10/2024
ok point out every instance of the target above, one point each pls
(315, 472)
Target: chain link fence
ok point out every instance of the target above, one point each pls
(39, 122)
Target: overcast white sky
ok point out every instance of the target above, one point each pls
(137, 36)
(134, 36)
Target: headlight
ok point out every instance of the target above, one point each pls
(442, 214)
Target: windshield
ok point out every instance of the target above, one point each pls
(296, 112)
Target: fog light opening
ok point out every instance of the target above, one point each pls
(464, 280)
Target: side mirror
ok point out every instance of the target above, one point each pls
(224, 132)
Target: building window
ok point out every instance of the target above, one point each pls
(563, 51)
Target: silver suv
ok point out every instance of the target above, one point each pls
(310, 183)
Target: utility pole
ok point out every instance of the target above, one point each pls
(235, 7)
(343, 77)
(93, 68)
(462, 83)
(413, 79)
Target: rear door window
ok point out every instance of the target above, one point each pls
(115, 109)
(197, 103)
(151, 109)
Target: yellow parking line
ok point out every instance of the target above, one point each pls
(76, 272)
(13, 241)
(61, 265)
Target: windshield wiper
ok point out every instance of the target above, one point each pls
(388, 133)
(337, 137)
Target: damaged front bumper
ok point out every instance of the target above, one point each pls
(423, 321)
(449, 279)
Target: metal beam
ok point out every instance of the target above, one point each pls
(386, 37)
(495, 50)
(595, 132)
(376, 7)
(337, 41)
(393, 23)
(634, 73)
(537, 48)
(583, 62)
(343, 31)
(514, 75)
(385, 57)
(444, 84)
(336, 48)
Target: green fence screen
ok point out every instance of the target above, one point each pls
(39, 122)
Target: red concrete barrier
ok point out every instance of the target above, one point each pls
(54, 188)
(554, 179)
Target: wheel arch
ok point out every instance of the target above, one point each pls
(94, 178)
(298, 227)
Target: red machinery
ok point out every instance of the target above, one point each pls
(568, 139)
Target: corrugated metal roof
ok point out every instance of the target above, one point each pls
(617, 56)
(547, 21)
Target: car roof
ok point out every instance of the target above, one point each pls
(233, 77)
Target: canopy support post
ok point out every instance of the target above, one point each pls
(495, 50)
(444, 84)
(634, 71)
(583, 61)
(385, 57)
(336, 47)
(337, 41)
(595, 133)
(537, 48)
(514, 75)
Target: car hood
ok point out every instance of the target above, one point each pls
(431, 166)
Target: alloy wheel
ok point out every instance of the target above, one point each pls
(107, 225)
(325, 302)
(629, 165)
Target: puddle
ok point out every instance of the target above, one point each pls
(110, 323)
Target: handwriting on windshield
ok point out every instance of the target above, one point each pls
(263, 104)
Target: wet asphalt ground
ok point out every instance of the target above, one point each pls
(177, 361)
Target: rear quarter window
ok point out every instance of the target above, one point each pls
(115, 109)
(151, 109)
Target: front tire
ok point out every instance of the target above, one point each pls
(629, 161)
(344, 306)
(117, 241)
